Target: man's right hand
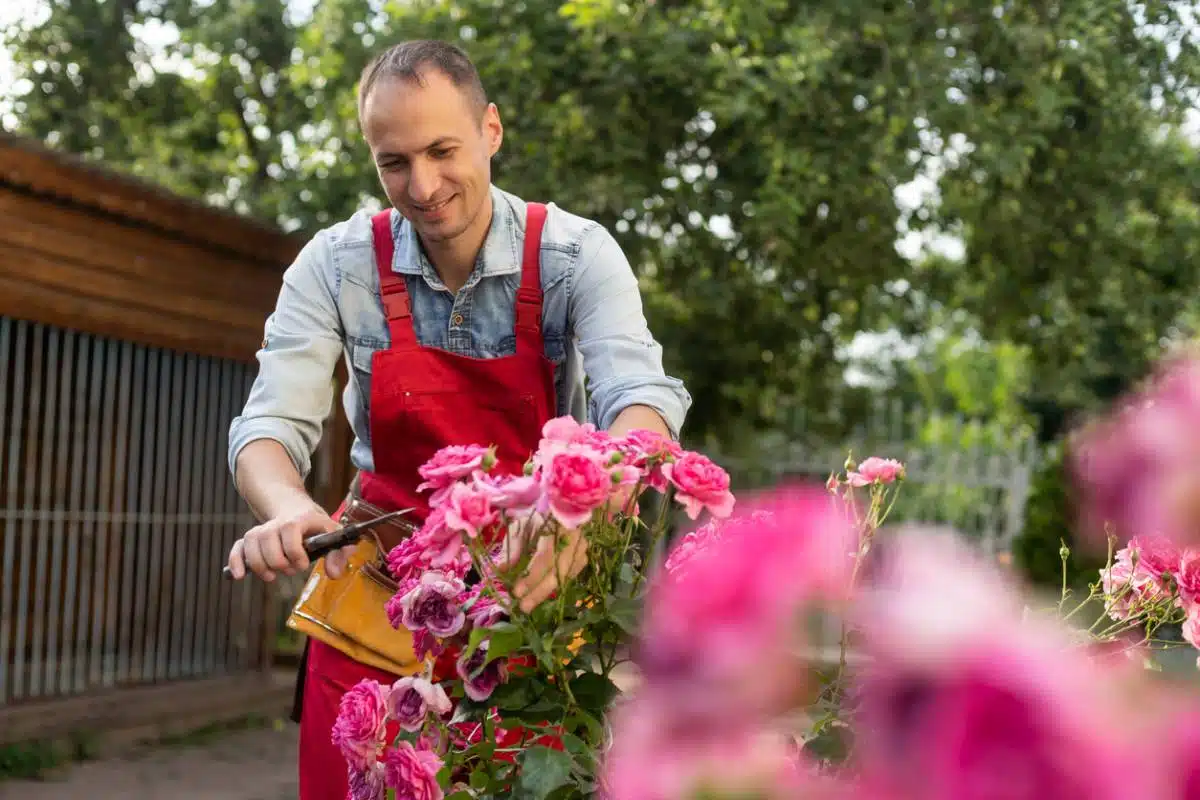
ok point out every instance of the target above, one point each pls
(278, 545)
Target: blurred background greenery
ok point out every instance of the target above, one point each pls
(941, 230)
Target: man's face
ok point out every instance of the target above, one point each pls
(432, 151)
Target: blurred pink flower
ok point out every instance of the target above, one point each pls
(658, 755)
(741, 594)
(962, 699)
(1138, 468)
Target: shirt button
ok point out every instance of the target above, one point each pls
(457, 319)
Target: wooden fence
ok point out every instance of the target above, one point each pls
(129, 319)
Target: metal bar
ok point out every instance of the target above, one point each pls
(21, 660)
(117, 465)
(99, 408)
(57, 577)
(198, 544)
(45, 498)
(171, 574)
(75, 608)
(129, 551)
(151, 477)
(209, 392)
(9, 583)
(185, 575)
(257, 594)
(228, 619)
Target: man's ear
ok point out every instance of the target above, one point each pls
(493, 129)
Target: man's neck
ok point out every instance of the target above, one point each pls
(454, 260)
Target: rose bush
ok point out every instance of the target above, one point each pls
(789, 647)
(513, 702)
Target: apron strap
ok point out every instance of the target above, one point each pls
(396, 305)
(529, 294)
(398, 309)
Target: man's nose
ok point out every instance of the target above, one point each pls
(423, 182)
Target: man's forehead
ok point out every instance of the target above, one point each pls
(408, 117)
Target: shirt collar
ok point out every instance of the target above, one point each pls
(500, 254)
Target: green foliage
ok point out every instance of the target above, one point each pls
(1048, 524)
(746, 154)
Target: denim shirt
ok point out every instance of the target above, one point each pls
(329, 307)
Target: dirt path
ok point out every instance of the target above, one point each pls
(247, 765)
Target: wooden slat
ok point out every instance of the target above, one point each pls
(65, 232)
(18, 263)
(121, 709)
(29, 164)
(74, 308)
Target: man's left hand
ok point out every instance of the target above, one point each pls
(547, 566)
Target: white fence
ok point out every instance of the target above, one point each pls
(968, 475)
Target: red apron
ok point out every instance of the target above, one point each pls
(423, 399)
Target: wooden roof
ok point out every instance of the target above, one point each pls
(85, 247)
(27, 164)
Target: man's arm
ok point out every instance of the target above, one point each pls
(628, 387)
(271, 443)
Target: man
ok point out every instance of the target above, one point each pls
(466, 316)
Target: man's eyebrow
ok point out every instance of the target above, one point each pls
(441, 141)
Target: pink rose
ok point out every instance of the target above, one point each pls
(366, 784)
(566, 429)
(449, 465)
(483, 610)
(441, 547)
(360, 729)
(479, 681)
(1156, 555)
(433, 606)
(650, 451)
(876, 470)
(412, 699)
(1191, 628)
(518, 495)
(1189, 578)
(576, 484)
(412, 773)
(700, 484)
(469, 510)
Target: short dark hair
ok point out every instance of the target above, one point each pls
(408, 61)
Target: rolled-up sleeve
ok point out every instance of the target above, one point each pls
(621, 358)
(292, 394)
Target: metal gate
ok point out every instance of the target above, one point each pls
(116, 512)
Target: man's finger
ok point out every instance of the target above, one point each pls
(237, 567)
(337, 562)
(541, 565)
(252, 552)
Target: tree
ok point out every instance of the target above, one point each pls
(747, 155)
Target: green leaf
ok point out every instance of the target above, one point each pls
(594, 692)
(479, 779)
(504, 642)
(625, 613)
(542, 771)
